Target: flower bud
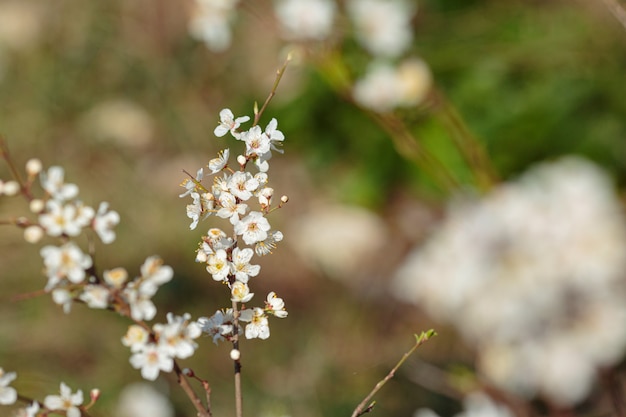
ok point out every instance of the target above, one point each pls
(33, 234)
(33, 167)
(235, 354)
(36, 205)
(94, 394)
(11, 188)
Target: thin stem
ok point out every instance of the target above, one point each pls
(363, 406)
(4, 153)
(237, 363)
(470, 147)
(409, 147)
(279, 76)
(184, 384)
(335, 73)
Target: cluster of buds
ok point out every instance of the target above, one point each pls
(229, 197)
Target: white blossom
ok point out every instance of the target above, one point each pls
(53, 182)
(8, 395)
(67, 401)
(305, 19)
(532, 274)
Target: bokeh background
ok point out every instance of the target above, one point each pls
(121, 96)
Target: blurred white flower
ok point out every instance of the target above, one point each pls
(305, 19)
(121, 121)
(104, 222)
(152, 359)
(383, 27)
(338, 238)
(385, 87)
(532, 274)
(177, 336)
(143, 400)
(64, 262)
(53, 181)
(8, 395)
(95, 296)
(475, 404)
(210, 22)
(21, 24)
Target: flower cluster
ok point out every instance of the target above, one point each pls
(60, 214)
(475, 404)
(210, 22)
(390, 81)
(72, 276)
(533, 274)
(67, 403)
(155, 351)
(230, 197)
(220, 326)
(387, 84)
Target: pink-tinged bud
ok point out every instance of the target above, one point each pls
(94, 395)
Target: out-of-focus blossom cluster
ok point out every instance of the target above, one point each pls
(21, 29)
(385, 86)
(141, 399)
(67, 403)
(121, 121)
(382, 28)
(155, 351)
(534, 275)
(475, 404)
(306, 19)
(229, 197)
(210, 22)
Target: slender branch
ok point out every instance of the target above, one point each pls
(363, 408)
(279, 76)
(184, 384)
(335, 73)
(409, 147)
(237, 363)
(470, 147)
(4, 153)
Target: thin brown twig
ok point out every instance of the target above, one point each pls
(468, 145)
(237, 363)
(184, 384)
(279, 76)
(363, 406)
